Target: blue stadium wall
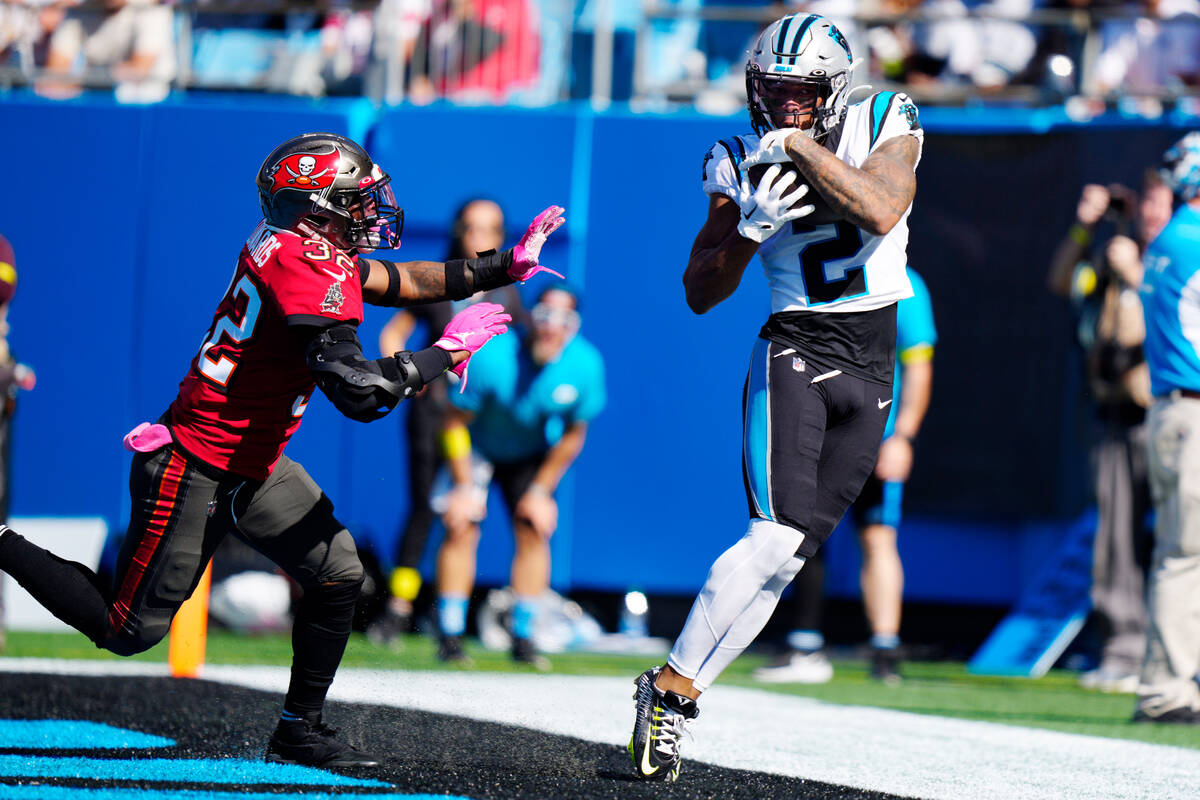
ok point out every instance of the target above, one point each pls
(127, 221)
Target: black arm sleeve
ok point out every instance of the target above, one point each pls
(367, 390)
(466, 276)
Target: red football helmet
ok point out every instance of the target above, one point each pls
(325, 183)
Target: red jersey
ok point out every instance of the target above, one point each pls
(248, 386)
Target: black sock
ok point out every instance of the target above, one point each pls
(68, 590)
(319, 634)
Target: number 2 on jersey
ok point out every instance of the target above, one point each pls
(220, 369)
(846, 241)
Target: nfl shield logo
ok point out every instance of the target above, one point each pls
(798, 364)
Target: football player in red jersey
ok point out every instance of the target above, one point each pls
(214, 465)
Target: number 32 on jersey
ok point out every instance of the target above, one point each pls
(220, 369)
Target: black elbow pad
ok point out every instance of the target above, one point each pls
(362, 390)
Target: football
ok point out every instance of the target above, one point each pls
(756, 173)
(821, 215)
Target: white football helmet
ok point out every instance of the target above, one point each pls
(800, 48)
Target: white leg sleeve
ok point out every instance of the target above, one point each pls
(742, 589)
(747, 626)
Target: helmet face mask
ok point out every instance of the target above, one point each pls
(791, 57)
(788, 102)
(323, 183)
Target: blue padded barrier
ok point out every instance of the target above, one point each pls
(127, 221)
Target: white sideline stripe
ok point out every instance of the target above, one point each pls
(868, 748)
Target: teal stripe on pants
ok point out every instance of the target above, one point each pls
(756, 433)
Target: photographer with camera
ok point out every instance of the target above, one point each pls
(1101, 281)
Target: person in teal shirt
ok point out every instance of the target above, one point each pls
(521, 420)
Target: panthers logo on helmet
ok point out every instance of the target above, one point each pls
(837, 36)
(305, 171)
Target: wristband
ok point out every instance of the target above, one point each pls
(430, 363)
(456, 442)
(490, 270)
(391, 295)
(466, 276)
(1080, 235)
(405, 583)
(537, 488)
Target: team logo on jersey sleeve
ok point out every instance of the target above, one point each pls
(305, 171)
(332, 304)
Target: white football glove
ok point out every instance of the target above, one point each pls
(767, 208)
(771, 149)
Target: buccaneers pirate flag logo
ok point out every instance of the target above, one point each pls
(332, 304)
(305, 171)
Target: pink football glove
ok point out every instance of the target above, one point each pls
(470, 330)
(525, 254)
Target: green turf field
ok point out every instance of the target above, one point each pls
(941, 688)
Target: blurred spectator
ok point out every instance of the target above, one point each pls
(1147, 54)
(25, 30)
(478, 227)
(346, 40)
(398, 27)
(1102, 283)
(132, 40)
(528, 405)
(1168, 690)
(985, 50)
(472, 50)
(14, 376)
(876, 513)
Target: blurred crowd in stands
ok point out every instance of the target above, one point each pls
(1141, 53)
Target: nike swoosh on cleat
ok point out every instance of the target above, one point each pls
(647, 768)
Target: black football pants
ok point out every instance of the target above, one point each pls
(181, 510)
(810, 439)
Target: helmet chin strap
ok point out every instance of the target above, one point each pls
(866, 87)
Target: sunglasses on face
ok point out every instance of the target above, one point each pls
(543, 314)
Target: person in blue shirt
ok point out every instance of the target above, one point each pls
(876, 512)
(522, 419)
(1099, 275)
(1170, 293)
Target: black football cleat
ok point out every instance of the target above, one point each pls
(523, 652)
(387, 628)
(660, 719)
(885, 666)
(1176, 716)
(314, 744)
(450, 651)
